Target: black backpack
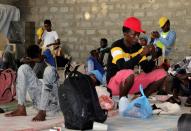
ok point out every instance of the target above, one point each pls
(79, 102)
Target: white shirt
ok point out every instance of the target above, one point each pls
(49, 37)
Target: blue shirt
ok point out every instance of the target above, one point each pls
(168, 41)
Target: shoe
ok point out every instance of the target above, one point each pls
(188, 102)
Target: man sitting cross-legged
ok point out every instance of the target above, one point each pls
(43, 93)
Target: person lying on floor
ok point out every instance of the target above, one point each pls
(43, 93)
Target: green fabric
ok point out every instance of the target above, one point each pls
(160, 44)
(12, 106)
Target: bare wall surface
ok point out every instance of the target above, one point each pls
(81, 23)
(10, 2)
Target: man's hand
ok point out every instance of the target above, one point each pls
(155, 34)
(39, 41)
(56, 44)
(147, 50)
(26, 60)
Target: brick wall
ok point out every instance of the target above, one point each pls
(10, 2)
(81, 23)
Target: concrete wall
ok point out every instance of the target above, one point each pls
(10, 2)
(81, 23)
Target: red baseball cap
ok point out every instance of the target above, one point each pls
(134, 24)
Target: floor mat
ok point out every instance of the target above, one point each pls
(24, 123)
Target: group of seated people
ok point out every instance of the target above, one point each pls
(117, 74)
(95, 64)
(124, 55)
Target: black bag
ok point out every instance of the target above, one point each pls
(61, 61)
(184, 122)
(79, 102)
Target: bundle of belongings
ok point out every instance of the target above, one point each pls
(181, 81)
(105, 100)
(166, 108)
(181, 67)
(79, 102)
(137, 108)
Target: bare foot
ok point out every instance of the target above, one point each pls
(40, 116)
(20, 111)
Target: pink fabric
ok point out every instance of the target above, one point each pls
(143, 78)
(106, 102)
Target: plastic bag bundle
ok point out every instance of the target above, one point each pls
(138, 108)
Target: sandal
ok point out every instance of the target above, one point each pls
(174, 100)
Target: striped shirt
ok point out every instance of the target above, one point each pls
(123, 57)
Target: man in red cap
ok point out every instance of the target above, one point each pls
(124, 54)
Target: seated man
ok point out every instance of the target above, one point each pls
(50, 41)
(124, 55)
(43, 93)
(165, 38)
(103, 50)
(94, 67)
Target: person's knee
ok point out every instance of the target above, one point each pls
(48, 70)
(50, 75)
